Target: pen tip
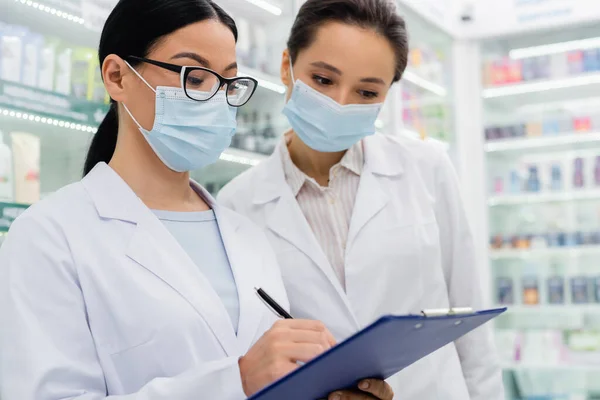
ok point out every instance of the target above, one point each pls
(257, 289)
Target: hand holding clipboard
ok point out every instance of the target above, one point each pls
(376, 352)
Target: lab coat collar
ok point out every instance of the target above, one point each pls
(114, 199)
(381, 158)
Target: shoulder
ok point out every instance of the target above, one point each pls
(52, 214)
(241, 189)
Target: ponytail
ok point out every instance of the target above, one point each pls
(104, 141)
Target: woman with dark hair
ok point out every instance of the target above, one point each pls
(133, 284)
(365, 224)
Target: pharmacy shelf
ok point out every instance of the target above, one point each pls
(554, 309)
(255, 10)
(510, 254)
(266, 81)
(542, 142)
(242, 157)
(523, 367)
(538, 198)
(580, 86)
(45, 18)
(423, 83)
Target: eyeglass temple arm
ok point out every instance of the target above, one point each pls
(170, 67)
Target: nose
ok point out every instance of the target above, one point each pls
(343, 96)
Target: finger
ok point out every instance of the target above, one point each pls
(378, 388)
(302, 324)
(315, 337)
(303, 352)
(348, 395)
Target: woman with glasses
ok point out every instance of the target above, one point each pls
(133, 284)
(364, 224)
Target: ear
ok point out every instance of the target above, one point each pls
(113, 70)
(286, 76)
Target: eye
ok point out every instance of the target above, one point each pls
(321, 80)
(194, 81)
(368, 94)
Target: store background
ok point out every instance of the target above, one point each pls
(509, 87)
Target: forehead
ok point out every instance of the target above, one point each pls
(350, 47)
(210, 38)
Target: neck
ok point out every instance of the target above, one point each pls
(159, 187)
(314, 164)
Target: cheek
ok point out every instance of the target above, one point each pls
(142, 106)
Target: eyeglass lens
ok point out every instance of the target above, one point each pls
(202, 85)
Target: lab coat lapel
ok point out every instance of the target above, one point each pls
(286, 220)
(155, 249)
(371, 197)
(239, 248)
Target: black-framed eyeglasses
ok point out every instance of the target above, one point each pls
(202, 84)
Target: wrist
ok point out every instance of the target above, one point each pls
(242, 367)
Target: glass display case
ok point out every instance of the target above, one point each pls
(541, 96)
(52, 98)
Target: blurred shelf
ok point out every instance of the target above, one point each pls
(569, 87)
(589, 308)
(64, 21)
(423, 83)
(256, 10)
(535, 198)
(542, 142)
(508, 254)
(414, 135)
(519, 367)
(242, 157)
(266, 81)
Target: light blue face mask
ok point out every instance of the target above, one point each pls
(187, 134)
(325, 125)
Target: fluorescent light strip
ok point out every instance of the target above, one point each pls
(48, 121)
(52, 11)
(265, 5)
(555, 48)
(541, 86)
(541, 142)
(424, 83)
(239, 159)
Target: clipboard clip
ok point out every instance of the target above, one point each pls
(447, 312)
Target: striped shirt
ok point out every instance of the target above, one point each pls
(328, 210)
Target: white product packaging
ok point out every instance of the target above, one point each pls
(6, 172)
(26, 154)
(32, 49)
(11, 42)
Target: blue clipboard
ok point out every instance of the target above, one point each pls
(379, 351)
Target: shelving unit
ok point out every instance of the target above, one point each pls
(543, 138)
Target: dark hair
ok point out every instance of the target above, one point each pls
(133, 28)
(380, 15)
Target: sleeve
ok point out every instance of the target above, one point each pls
(46, 348)
(476, 350)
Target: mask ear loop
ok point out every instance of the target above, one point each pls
(147, 84)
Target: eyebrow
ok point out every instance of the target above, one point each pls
(335, 70)
(378, 81)
(201, 60)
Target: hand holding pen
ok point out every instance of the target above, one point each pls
(300, 342)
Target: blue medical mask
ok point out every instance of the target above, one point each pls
(187, 134)
(325, 125)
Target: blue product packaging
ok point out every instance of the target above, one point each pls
(556, 178)
(515, 182)
(533, 182)
(597, 290)
(529, 69)
(580, 290)
(590, 60)
(505, 290)
(556, 290)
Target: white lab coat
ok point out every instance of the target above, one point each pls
(97, 299)
(409, 248)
